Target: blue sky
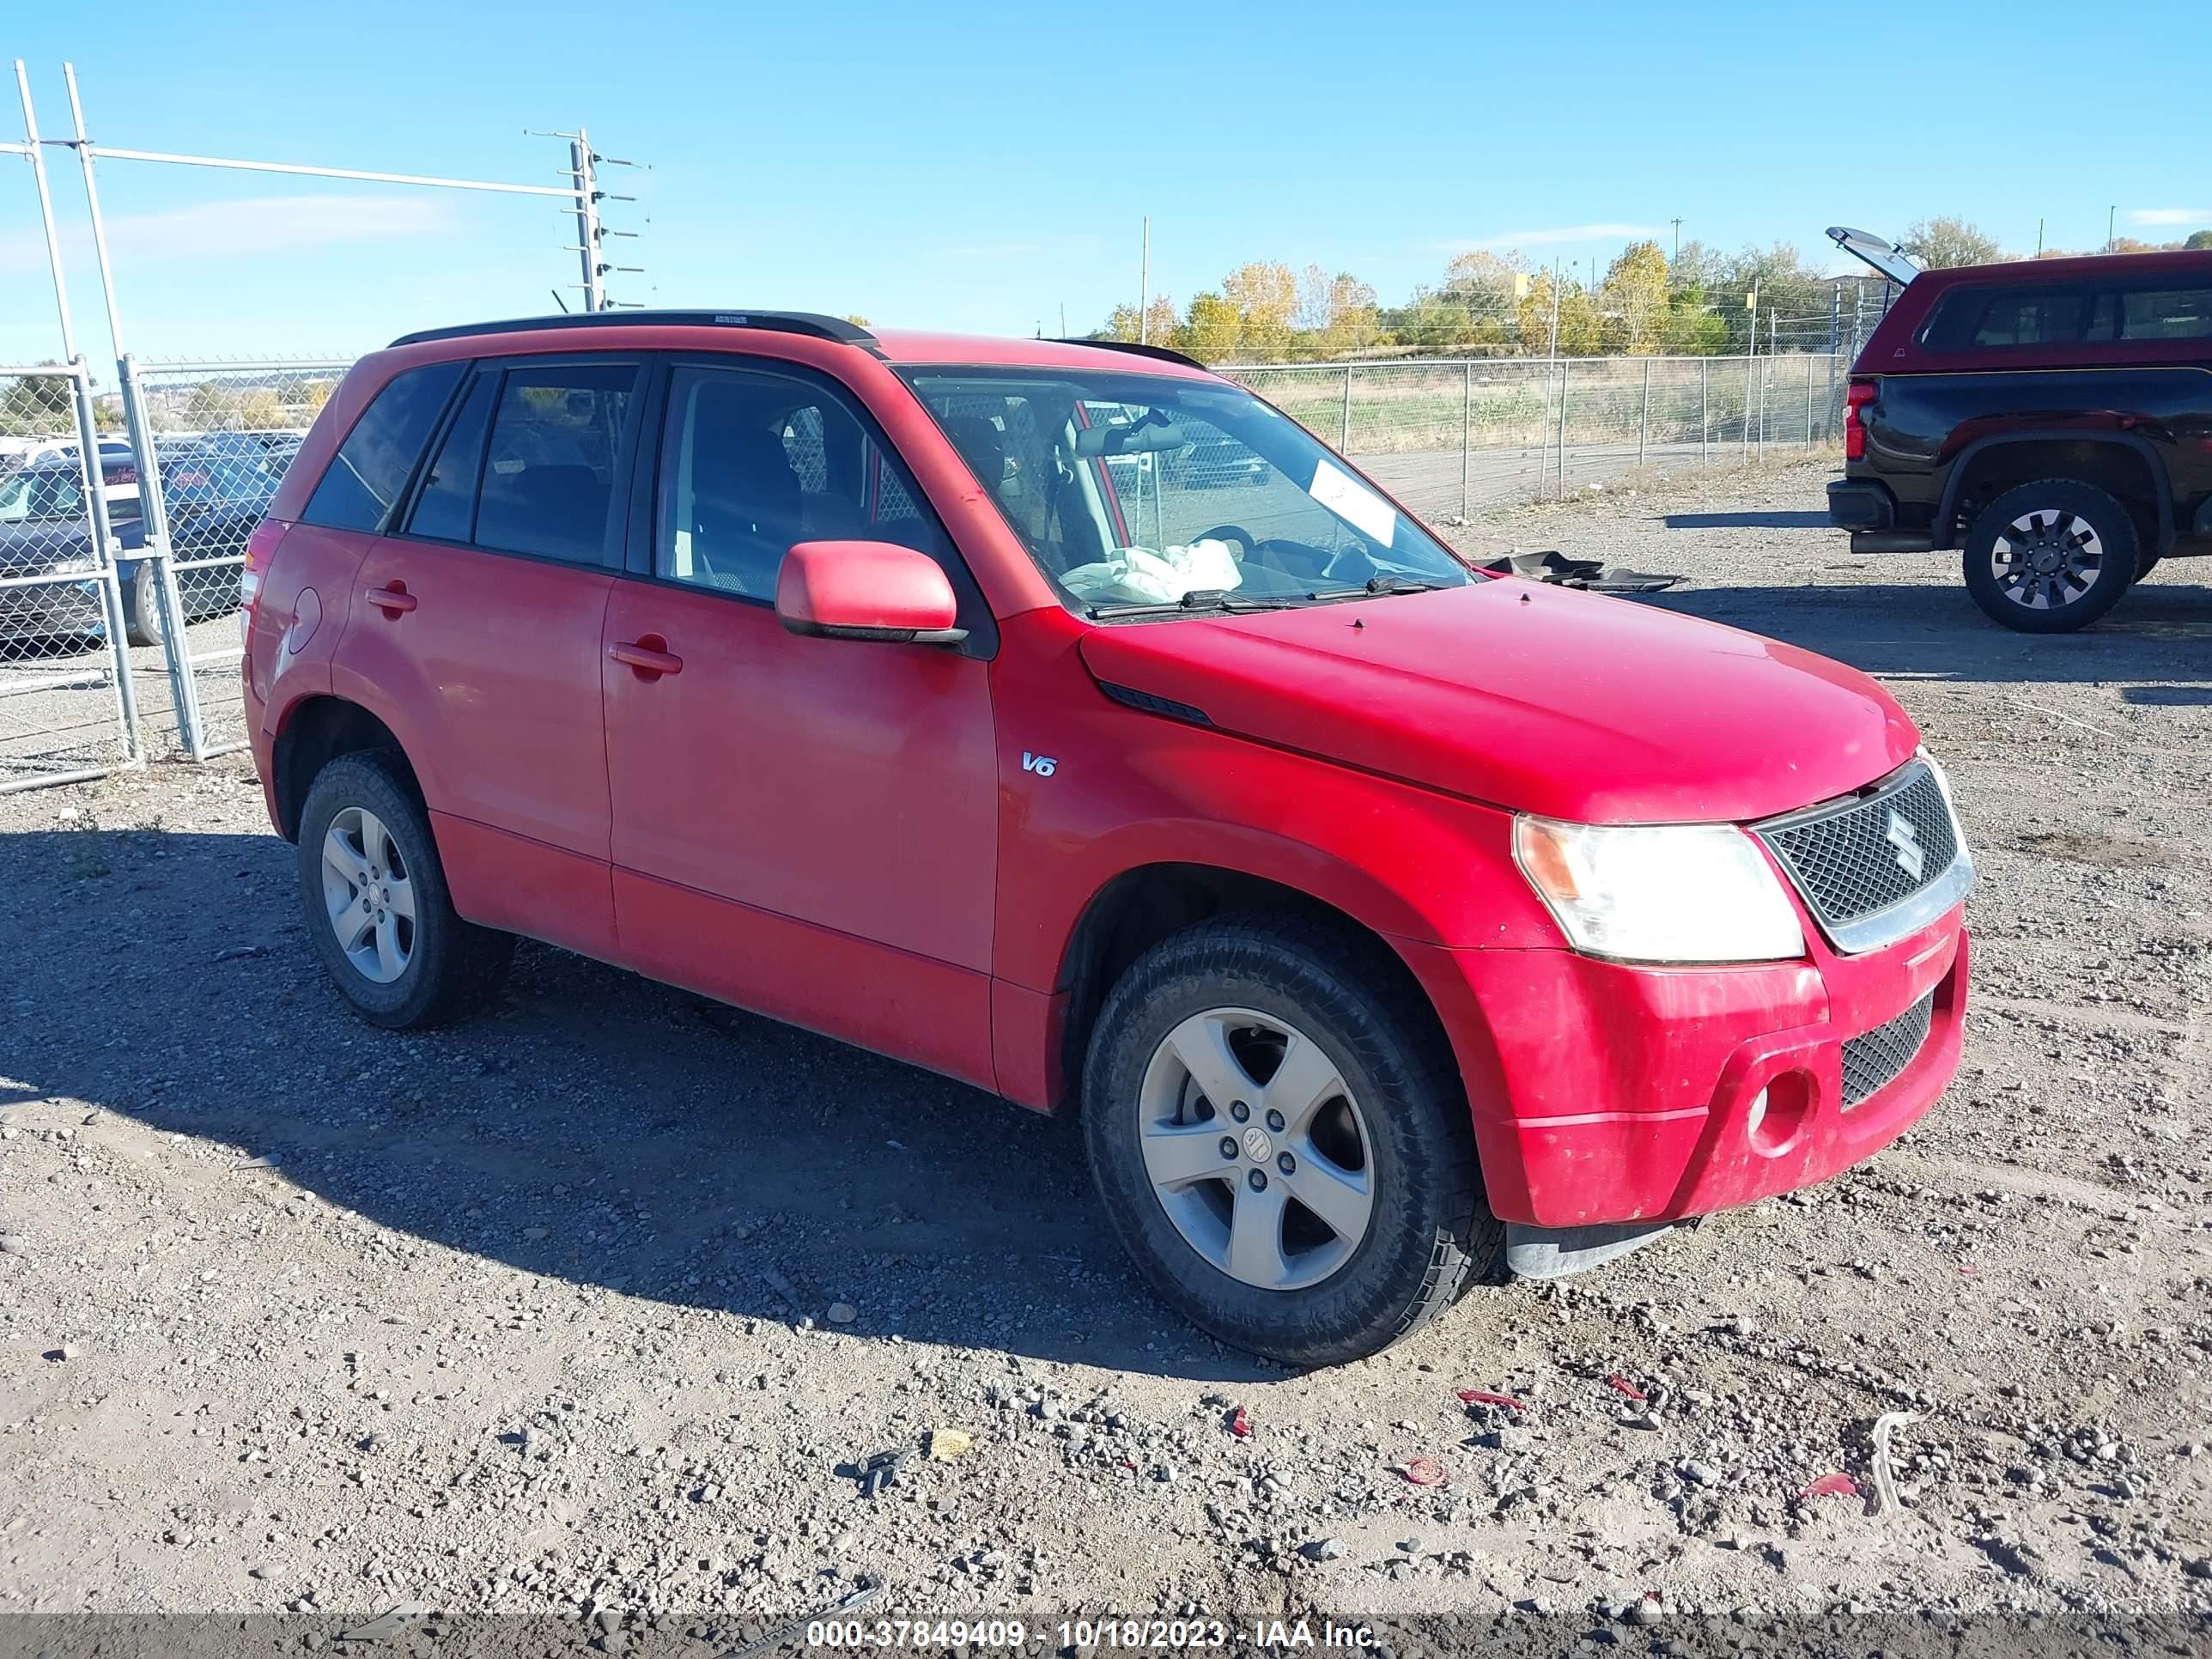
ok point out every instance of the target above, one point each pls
(978, 167)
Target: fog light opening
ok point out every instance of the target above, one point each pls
(1776, 1114)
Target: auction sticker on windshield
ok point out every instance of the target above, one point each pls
(1354, 503)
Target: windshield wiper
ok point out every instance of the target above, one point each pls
(1198, 599)
(1384, 583)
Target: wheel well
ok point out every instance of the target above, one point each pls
(1141, 906)
(2119, 468)
(318, 732)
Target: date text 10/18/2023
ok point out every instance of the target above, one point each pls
(1126, 1635)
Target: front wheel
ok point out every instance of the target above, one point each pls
(1284, 1150)
(2051, 557)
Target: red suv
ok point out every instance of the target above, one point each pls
(1389, 924)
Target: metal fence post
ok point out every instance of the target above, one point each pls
(1559, 450)
(1643, 431)
(1808, 401)
(1543, 432)
(1467, 443)
(152, 509)
(1704, 417)
(1750, 360)
(88, 440)
(1344, 440)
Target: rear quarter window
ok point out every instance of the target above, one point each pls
(1986, 319)
(372, 466)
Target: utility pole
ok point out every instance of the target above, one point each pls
(587, 222)
(1554, 351)
(583, 174)
(2111, 213)
(1145, 286)
(1677, 223)
(2039, 238)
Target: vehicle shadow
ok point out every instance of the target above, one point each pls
(2159, 631)
(1774, 520)
(594, 1127)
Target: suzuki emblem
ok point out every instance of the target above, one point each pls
(1911, 857)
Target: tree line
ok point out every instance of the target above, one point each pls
(1697, 303)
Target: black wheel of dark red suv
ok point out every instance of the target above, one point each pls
(2051, 557)
(375, 901)
(1283, 1149)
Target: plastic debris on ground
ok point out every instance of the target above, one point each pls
(1484, 1397)
(1622, 1386)
(1594, 574)
(1885, 1472)
(1837, 1485)
(1240, 1425)
(946, 1444)
(1424, 1472)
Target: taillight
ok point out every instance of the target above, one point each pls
(1861, 394)
(260, 547)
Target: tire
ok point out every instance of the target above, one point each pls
(446, 968)
(1254, 979)
(142, 606)
(2081, 533)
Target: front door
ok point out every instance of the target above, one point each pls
(804, 826)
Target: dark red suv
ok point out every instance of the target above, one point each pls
(1388, 923)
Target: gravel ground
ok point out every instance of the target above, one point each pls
(591, 1310)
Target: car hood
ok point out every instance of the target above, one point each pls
(1534, 698)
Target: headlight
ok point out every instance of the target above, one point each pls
(1659, 892)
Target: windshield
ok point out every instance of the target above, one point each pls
(1140, 490)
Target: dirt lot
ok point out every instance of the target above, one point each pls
(534, 1316)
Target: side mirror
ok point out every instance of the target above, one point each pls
(867, 591)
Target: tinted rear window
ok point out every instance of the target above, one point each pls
(1973, 318)
(2176, 313)
(371, 466)
(549, 470)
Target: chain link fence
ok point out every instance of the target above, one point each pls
(65, 711)
(1449, 437)
(220, 436)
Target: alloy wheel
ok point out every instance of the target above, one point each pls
(1256, 1149)
(2047, 558)
(367, 895)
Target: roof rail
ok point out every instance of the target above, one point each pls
(1164, 354)
(808, 323)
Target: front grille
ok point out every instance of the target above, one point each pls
(1873, 1061)
(1860, 857)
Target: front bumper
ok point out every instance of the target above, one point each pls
(1607, 1094)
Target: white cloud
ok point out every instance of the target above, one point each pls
(1557, 234)
(225, 230)
(2170, 216)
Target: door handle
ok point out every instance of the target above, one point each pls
(649, 655)
(393, 601)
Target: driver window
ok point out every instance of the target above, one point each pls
(755, 463)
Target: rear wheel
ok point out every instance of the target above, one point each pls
(376, 905)
(1286, 1153)
(2051, 557)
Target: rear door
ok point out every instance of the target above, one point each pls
(477, 623)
